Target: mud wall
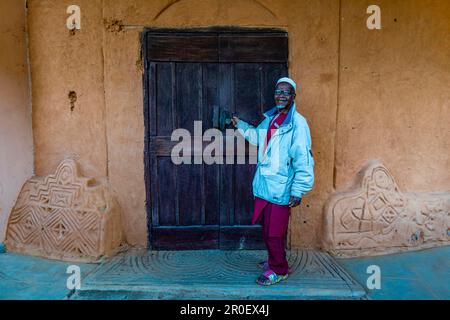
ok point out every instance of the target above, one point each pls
(16, 137)
(364, 99)
(394, 97)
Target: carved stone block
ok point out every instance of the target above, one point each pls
(65, 216)
(375, 217)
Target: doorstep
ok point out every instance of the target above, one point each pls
(215, 275)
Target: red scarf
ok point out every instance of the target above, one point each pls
(276, 121)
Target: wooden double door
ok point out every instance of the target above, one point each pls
(187, 74)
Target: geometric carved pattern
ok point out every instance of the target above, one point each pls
(65, 216)
(217, 274)
(375, 217)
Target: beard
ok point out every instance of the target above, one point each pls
(282, 104)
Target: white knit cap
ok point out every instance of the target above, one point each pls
(288, 80)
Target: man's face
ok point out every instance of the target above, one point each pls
(282, 98)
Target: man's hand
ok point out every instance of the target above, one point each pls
(235, 120)
(294, 201)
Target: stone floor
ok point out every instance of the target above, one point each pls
(31, 278)
(227, 275)
(216, 275)
(418, 275)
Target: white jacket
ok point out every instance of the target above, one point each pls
(286, 167)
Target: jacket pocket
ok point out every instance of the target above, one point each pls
(277, 187)
(276, 178)
(277, 170)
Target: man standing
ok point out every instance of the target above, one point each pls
(285, 172)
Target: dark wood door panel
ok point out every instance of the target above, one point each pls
(191, 195)
(185, 238)
(201, 206)
(247, 93)
(185, 194)
(189, 95)
(163, 110)
(183, 47)
(163, 146)
(228, 46)
(253, 48)
(211, 90)
(166, 191)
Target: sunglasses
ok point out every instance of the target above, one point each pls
(284, 92)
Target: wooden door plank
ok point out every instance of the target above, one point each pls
(185, 238)
(154, 189)
(226, 102)
(182, 48)
(248, 95)
(166, 191)
(189, 90)
(162, 146)
(152, 99)
(189, 193)
(253, 48)
(211, 172)
(164, 100)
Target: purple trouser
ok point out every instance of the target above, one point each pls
(275, 239)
